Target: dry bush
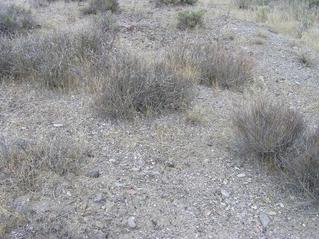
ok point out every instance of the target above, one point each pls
(176, 2)
(189, 19)
(301, 163)
(214, 65)
(305, 58)
(266, 129)
(55, 59)
(22, 162)
(133, 87)
(15, 19)
(96, 6)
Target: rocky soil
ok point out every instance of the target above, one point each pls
(165, 177)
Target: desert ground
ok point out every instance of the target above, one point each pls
(171, 175)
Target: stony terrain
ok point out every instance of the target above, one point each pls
(164, 177)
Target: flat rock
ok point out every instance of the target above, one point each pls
(264, 219)
(93, 173)
(241, 175)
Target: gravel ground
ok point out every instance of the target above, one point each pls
(164, 177)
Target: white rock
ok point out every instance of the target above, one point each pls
(241, 175)
(58, 125)
(224, 193)
(264, 219)
(131, 222)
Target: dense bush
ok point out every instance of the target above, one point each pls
(213, 65)
(96, 6)
(189, 19)
(15, 19)
(132, 87)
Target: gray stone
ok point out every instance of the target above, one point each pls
(131, 222)
(93, 174)
(224, 193)
(264, 219)
(99, 198)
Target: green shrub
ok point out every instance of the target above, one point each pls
(96, 6)
(134, 87)
(189, 19)
(15, 19)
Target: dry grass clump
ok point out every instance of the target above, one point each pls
(189, 19)
(245, 4)
(302, 163)
(15, 19)
(305, 59)
(267, 128)
(55, 59)
(214, 65)
(277, 135)
(176, 2)
(133, 87)
(96, 6)
(22, 162)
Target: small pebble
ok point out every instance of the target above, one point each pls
(264, 219)
(241, 175)
(224, 193)
(131, 222)
(93, 174)
(99, 198)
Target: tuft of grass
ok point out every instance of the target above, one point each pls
(133, 87)
(176, 2)
(189, 19)
(54, 59)
(305, 59)
(97, 6)
(213, 65)
(23, 161)
(301, 163)
(15, 19)
(196, 116)
(266, 129)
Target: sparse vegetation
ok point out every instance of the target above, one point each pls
(305, 59)
(23, 161)
(53, 58)
(133, 87)
(96, 6)
(189, 19)
(176, 2)
(213, 65)
(15, 19)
